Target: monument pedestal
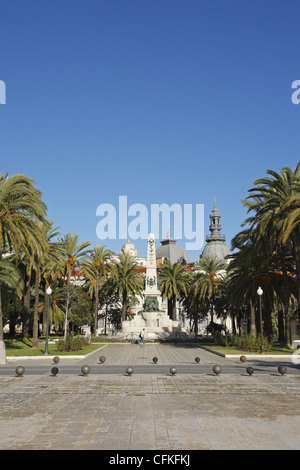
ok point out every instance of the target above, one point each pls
(157, 325)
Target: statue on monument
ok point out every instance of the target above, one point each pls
(151, 304)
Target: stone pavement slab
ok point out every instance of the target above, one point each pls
(150, 411)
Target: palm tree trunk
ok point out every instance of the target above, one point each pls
(26, 305)
(67, 308)
(35, 340)
(44, 327)
(268, 320)
(252, 319)
(212, 330)
(174, 311)
(280, 322)
(233, 324)
(124, 302)
(96, 305)
(170, 308)
(286, 295)
(196, 318)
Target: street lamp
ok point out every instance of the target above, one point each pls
(260, 293)
(48, 292)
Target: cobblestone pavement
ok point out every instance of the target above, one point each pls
(154, 411)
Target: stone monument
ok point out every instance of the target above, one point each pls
(153, 317)
(151, 289)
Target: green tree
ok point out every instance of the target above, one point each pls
(80, 312)
(40, 261)
(56, 306)
(172, 284)
(21, 208)
(51, 269)
(125, 279)
(209, 281)
(268, 202)
(194, 306)
(73, 252)
(95, 269)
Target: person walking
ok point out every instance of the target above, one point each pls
(142, 336)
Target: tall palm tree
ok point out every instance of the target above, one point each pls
(51, 252)
(193, 304)
(21, 208)
(95, 268)
(73, 252)
(172, 284)
(51, 269)
(125, 279)
(209, 281)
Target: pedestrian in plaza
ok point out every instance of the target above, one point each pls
(142, 336)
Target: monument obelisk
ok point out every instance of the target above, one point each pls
(151, 288)
(154, 317)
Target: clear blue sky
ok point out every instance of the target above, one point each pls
(164, 101)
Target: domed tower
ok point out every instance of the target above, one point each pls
(128, 247)
(215, 243)
(172, 252)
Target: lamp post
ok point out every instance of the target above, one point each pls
(260, 293)
(48, 292)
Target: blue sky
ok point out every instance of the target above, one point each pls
(164, 101)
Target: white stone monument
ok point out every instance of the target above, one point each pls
(154, 317)
(151, 288)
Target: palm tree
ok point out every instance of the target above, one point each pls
(52, 268)
(95, 268)
(250, 268)
(172, 284)
(52, 251)
(292, 221)
(56, 303)
(125, 279)
(21, 208)
(193, 304)
(268, 201)
(73, 252)
(209, 281)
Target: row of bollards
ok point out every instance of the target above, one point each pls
(20, 370)
(85, 370)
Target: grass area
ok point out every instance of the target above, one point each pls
(277, 349)
(23, 347)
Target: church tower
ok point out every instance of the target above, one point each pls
(215, 243)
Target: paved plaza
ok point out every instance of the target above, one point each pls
(151, 409)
